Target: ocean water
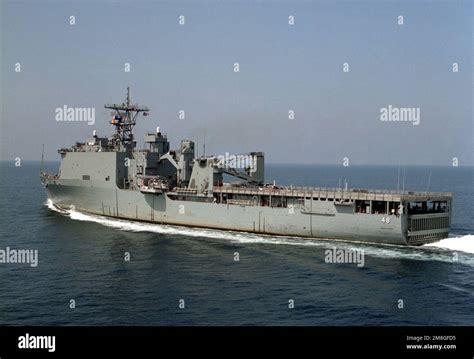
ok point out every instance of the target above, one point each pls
(81, 257)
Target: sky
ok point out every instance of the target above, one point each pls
(283, 68)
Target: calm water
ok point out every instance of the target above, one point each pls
(82, 258)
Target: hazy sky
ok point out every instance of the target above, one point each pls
(189, 67)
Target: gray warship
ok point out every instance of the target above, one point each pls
(109, 176)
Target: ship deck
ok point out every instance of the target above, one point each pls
(336, 193)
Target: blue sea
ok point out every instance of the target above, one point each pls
(186, 276)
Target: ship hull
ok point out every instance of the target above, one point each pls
(340, 223)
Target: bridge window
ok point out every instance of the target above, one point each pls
(86, 177)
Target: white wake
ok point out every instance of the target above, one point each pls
(440, 251)
(463, 244)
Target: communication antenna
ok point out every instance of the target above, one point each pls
(204, 145)
(398, 181)
(403, 186)
(42, 158)
(429, 182)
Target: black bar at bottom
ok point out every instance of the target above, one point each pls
(443, 342)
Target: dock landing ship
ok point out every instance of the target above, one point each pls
(109, 176)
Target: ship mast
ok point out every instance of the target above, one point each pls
(124, 120)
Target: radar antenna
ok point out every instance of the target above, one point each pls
(124, 119)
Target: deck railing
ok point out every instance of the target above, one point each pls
(325, 192)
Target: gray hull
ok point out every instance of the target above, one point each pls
(325, 221)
